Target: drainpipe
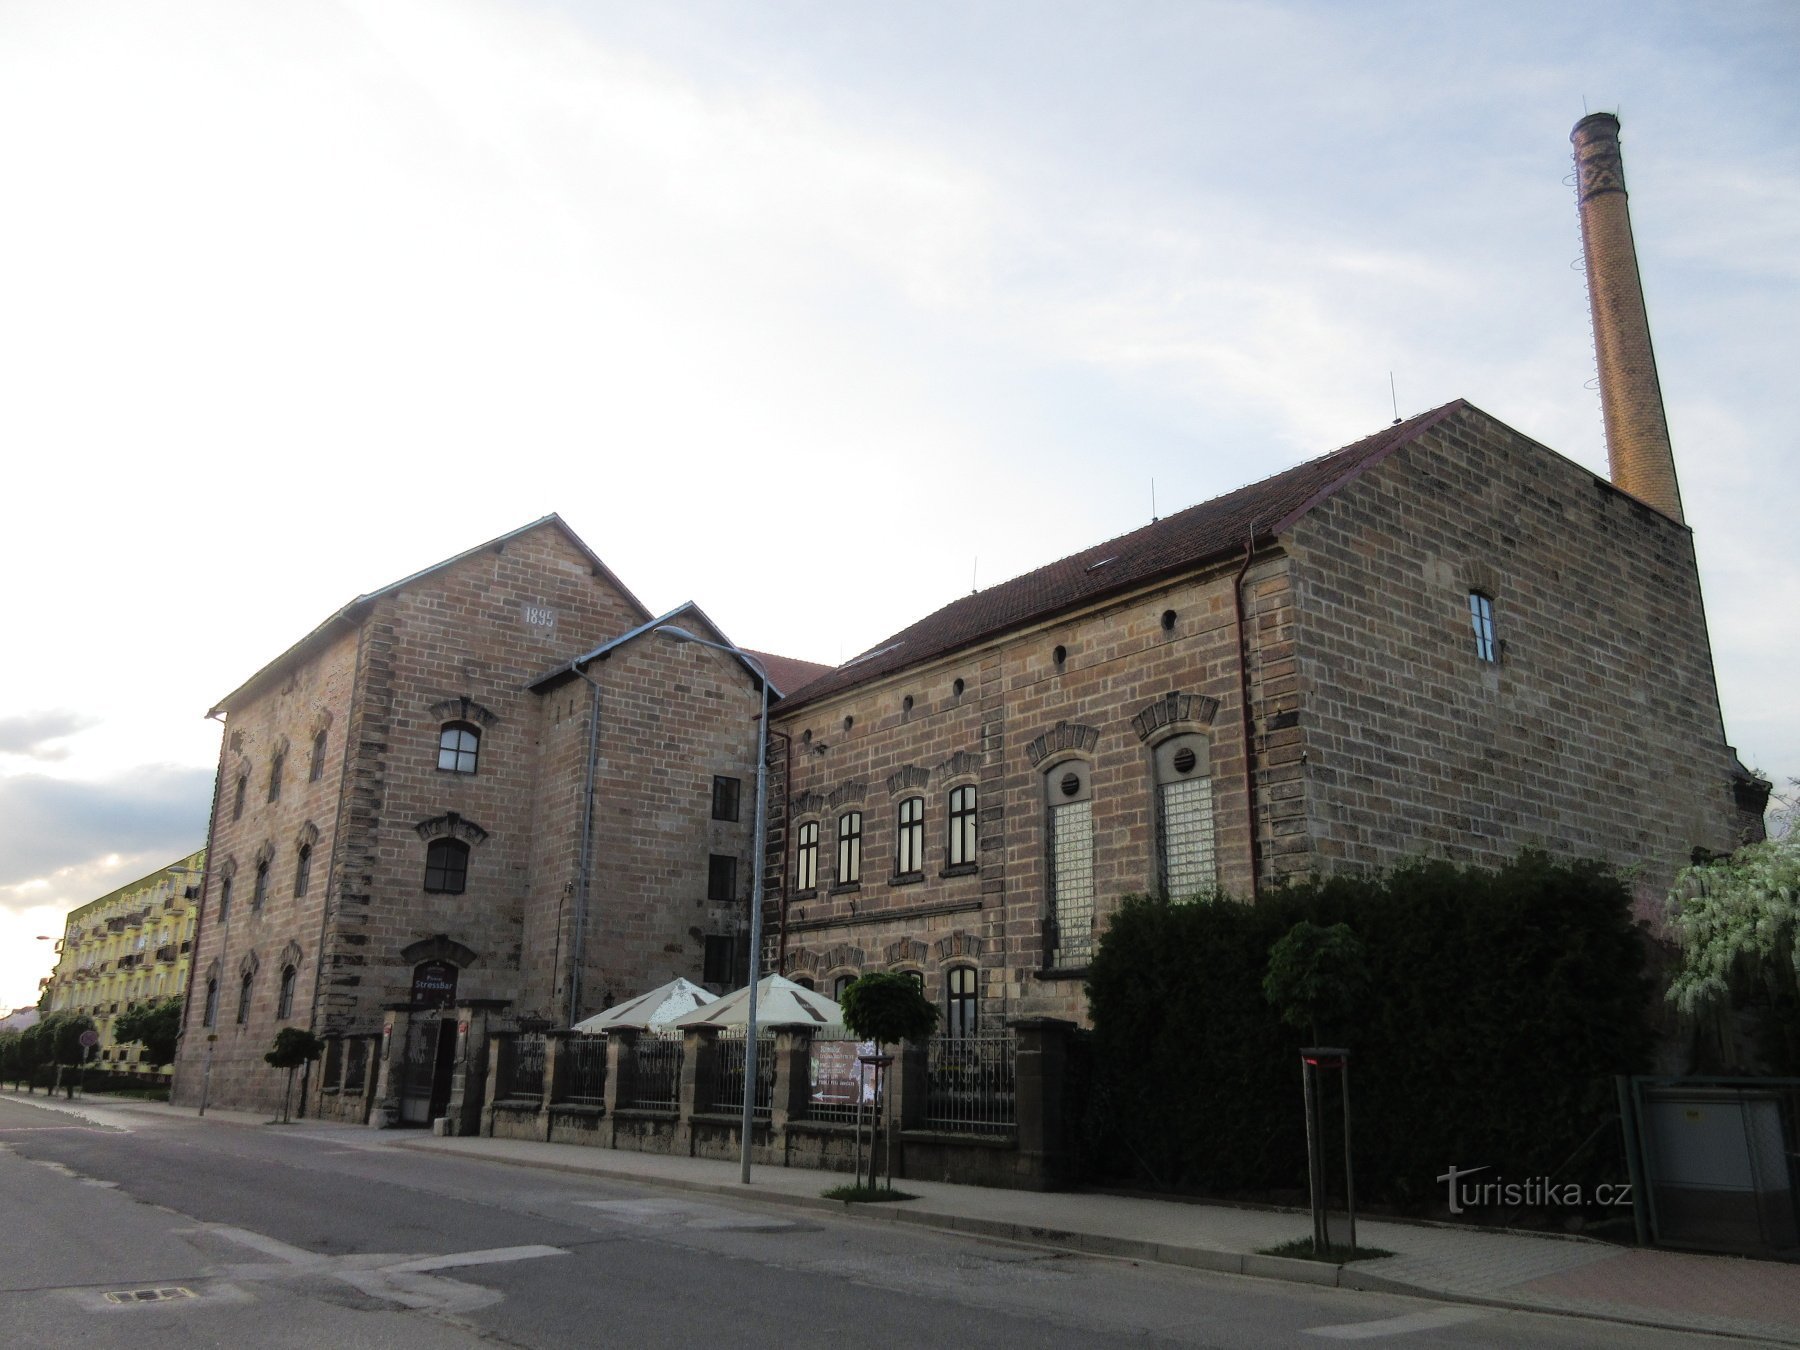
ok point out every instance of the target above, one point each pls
(1237, 602)
(787, 787)
(585, 867)
(206, 872)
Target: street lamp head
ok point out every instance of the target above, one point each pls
(676, 633)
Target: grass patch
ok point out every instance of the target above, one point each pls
(867, 1195)
(1337, 1255)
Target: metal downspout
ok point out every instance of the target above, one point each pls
(1237, 601)
(584, 868)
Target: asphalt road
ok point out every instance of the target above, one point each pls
(149, 1231)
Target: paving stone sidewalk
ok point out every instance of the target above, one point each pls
(1759, 1300)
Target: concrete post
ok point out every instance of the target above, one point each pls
(555, 1071)
(696, 1078)
(468, 1082)
(497, 1050)
(621, 1070)
(1042, 1056)
(793, 1085)
(390, 1054)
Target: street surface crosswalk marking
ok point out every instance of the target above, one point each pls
(1429, 1320)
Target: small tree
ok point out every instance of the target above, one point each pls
(30, 1054)
(62, 1034)
(155, 1026)
(9, 1057)
(887, 1007)
(294, 1046)
(1317, 978)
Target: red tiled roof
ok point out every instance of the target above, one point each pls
(788, 673)
(1201, 534)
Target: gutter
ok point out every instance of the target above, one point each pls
(1243, 647)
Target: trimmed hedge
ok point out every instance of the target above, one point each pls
(1499, 1007)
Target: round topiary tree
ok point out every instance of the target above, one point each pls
(886, 1007)
(294, 1046)
(1317, 978)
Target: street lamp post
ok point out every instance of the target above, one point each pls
(678, 634)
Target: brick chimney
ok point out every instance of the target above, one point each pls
(1637, 432)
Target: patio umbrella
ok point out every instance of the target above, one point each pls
(779, 1003)
(655, 1009)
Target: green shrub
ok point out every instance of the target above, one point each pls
(1498, 1006)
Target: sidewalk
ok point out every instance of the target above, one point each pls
(1677, 1291)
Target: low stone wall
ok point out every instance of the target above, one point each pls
(1030, 1156)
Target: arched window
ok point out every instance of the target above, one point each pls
(277, 763)
(1068, 791)
(909, 844)
(316, 770)
(1187, 857)
(960, 851)
(225, 897)
(805, 981)
(210, 1018)
(840, 984)
(261, 892)
(447, 866)
(806, 857)
(243, 1013)
(849, 848)
(302, 870)
(459, 747)
(962, 1000)
(237, 800)
(284, 1001)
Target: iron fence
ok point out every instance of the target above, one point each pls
(726, 1089)
(655, 1073)
(581, 1064)
(969, 1084)
(521, 1067)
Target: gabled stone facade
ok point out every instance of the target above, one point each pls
(1334, 637)
(398, 829)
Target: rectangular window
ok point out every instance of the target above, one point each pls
(1072, 882)
(725, 798)
(909, 845)
(961, 849)
(849, 853)
(721, 878)
(1189, 866)
(1481, 618)
(806, 857)
(961, 996)
(721, 960)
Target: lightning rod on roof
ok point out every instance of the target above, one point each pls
(1395, 396)
(1153, 516)
(974, 563)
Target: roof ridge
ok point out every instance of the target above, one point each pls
(1205, 530)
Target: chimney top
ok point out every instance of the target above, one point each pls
(1637, 431)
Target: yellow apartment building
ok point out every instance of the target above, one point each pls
(132, 945)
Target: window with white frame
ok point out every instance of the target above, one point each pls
(960, 847)
(806, 857)
(459, 747)
(909, 837)
(849, 848)
(1481, 619)
(962, 1000)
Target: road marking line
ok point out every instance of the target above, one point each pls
(492, 1256)
(1400, 1326)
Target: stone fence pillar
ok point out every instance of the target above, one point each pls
(389, 1067)
(1039, 1072)
(698, 1045)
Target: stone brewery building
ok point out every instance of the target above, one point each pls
(1443, 639)
(486, 788)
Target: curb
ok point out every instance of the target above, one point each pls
(1285, 1269)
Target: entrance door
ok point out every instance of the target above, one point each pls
(426, 1068)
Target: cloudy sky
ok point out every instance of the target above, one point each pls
(810, 312)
